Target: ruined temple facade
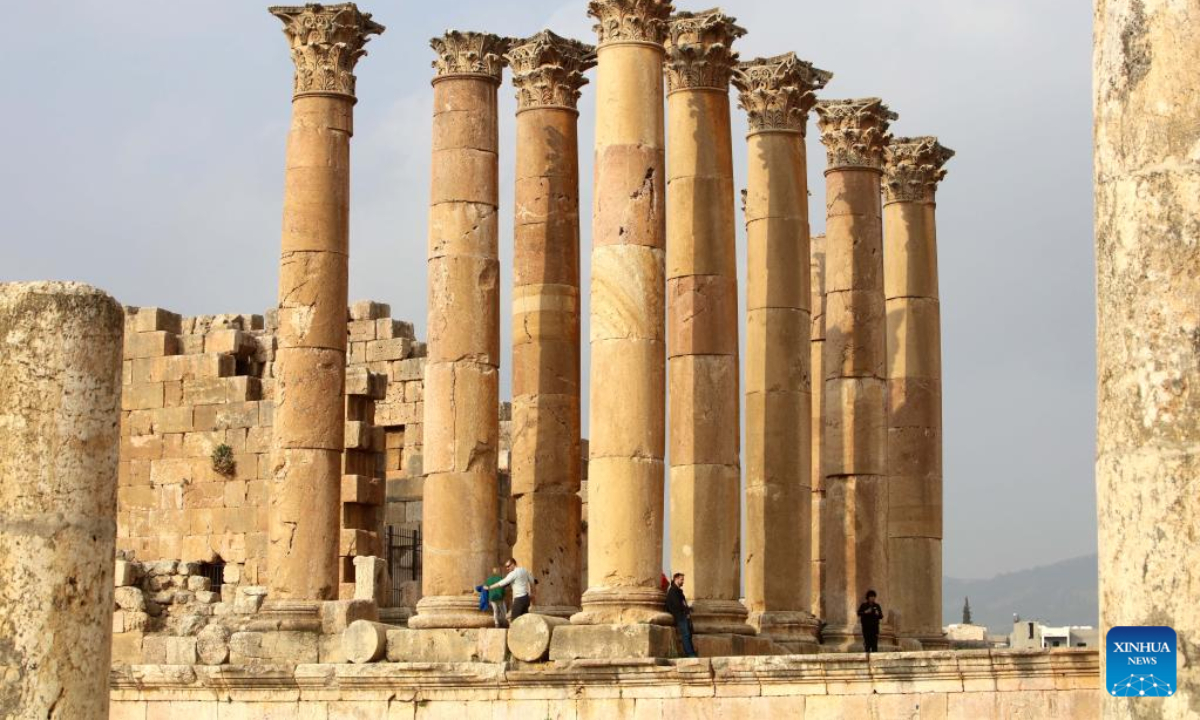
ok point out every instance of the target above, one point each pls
(280, 447)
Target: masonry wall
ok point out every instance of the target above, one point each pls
(197, 387)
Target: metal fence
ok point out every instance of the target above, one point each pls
(404, 559)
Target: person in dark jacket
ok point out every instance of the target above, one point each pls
(870, 614)
(682, 613)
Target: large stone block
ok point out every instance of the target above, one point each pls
(446, 645)
(576, 642)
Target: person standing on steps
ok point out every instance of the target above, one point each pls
(682, 613)
(522, 587)
(496, 599)
(870, 614)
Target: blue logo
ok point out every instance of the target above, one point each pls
(1140, 662)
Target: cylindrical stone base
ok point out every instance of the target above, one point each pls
(60, 391)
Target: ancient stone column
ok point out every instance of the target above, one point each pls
(546, 463)
(628, 326)
(912, 169)
(1146, 71)
(702, 320)
(60, 399)
(310, 363)
(777, 94)
(462, 420)
(855, 528)
(817, 277)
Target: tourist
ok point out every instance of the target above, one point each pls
(496, 598)
(682, 613)
(870, 614)
(522, 587)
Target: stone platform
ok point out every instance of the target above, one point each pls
(941, 685)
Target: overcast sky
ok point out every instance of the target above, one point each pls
(143, 148)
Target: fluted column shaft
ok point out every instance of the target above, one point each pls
(462, 421)
(777, 94)
(702, 323)
(546, 463)
(854, 534)
(914, 377)
(310, 362)
(628, 328)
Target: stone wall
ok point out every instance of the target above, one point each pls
(971, 685)
(192, 385)
(197, 390)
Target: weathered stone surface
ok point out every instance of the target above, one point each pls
(446, 645)
(778, 372)
(460, 395)
(364, 641)
(370, 579)
(628, 325)
(212, 644)
(284, 647)
(529, 636)
(573, 642)
(60, 375)
(337, 615)
(1147, 177)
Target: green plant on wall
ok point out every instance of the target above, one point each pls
(222, 460)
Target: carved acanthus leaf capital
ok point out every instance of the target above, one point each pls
(777, 92)
(854, 132)
(547, 70)
(630, 20)
(700, 50)
(913, 167)
(470, 53)
(326, 42)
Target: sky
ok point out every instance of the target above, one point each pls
(143, 150)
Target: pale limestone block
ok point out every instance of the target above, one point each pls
(336, 615)
(212, 644)
(571, 642)
(529, 636)
(364, 641)
(370, 579)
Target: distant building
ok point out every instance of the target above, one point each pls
(1033, 635)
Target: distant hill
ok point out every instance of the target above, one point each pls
(1065, 593)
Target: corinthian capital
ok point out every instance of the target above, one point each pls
(854, 132)
(912, 168)
(326, 41)
(547, 70)
(777, 92)
(470, 53)
(700, 50)
(630, 20)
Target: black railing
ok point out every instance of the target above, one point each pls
(404, 559)
(215, 572)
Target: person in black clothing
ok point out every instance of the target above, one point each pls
(870, 614)
(678, 607)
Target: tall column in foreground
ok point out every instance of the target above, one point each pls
(628, 328)
(462, 417)
(777, 94)
(912, 169)
(854, 536)
(1146, 74)
(817, 277)
(60, 401)
(548, 72)
(702, 322)
(310, 364)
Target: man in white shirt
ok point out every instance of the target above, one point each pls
(522, 587)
